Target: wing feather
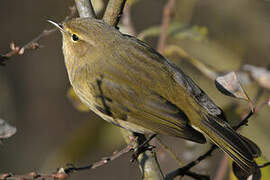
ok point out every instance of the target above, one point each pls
(149, 110)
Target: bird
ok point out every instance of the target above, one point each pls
(129, 84)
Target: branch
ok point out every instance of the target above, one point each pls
(137, 143)
(183, 171)
(126, 20)
(146, 157)
(85, 8)
(264, 165)
(169, 151)
(114, 12)
(164, 26)
(33, 44)
(222, 169)
(34, 175)
(64, 173)
(251, 112)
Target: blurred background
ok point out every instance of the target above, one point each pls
(53, 128)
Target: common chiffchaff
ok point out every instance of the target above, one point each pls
(129, 84)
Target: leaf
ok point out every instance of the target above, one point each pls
(76, 101)
(259, 74)
(231, 86)
(177, 31)
(205, 69)
(6, 130)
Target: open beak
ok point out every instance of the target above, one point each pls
(59, 26)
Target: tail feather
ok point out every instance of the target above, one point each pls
(255, 150)
(239, 148)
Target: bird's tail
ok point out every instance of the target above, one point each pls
(239, 148)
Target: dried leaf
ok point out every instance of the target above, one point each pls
(259, 74)
(6, 130)
(230, 86)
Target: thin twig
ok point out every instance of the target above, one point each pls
(145, 156)
(183, 171)
(127, 21)
(244, 121)
(222, 169)
(85, 8)
(173, 155)
(264, 165)
(169, 151)
(33, 44)
(34, 175)
(102, 162)
(250, 113)
(114, 11)
(64, 173)
(164, 26)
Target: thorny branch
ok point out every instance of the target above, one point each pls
(33, 44)
(64, 173)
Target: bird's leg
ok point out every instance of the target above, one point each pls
(143, 145)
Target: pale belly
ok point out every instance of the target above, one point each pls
(116, 121)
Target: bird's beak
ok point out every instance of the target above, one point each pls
(59, 26)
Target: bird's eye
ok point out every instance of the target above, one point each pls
(74, 37)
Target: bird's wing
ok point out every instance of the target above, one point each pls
(145, 109)
(156, 61)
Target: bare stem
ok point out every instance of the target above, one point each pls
(33, 44)
(222, 169)
(169, 151)
(64, 173)
(164, 26)
(127, 21)
(114, 11)
(85, 8)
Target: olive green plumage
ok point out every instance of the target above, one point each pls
(129, 84)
